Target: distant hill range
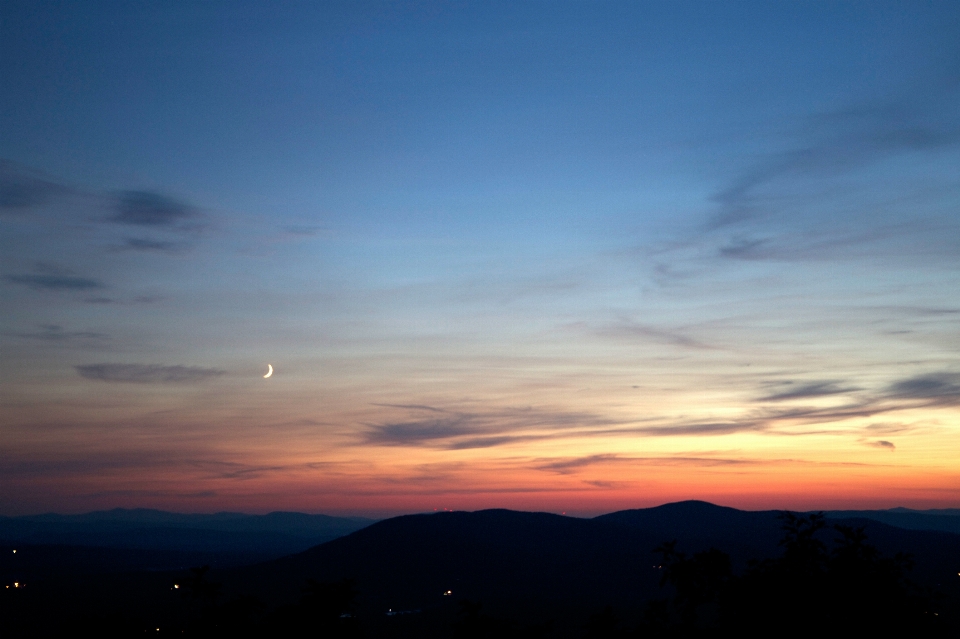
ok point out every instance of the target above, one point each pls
(230, 537)
(946, 519)
(502, 555)
(412, 572)
(259, 537)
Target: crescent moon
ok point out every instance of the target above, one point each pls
(269, 371)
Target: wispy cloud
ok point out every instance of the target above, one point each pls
(52, 277)
(235, 470)
(847, 139)
(155, 246)
(675, 337)
(147, 373)
(150, 494)
(54, 282)
(146, 208)
(567, 465)
(888, 428)
(305, 230)
(573, 465)
(832, 193)
(424, 430)
(432, 409)
(440, 428)
(933, 389)
(455, 430)
(56, 333)
(807, 391)
(22, 188)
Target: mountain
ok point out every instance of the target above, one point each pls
(256, 536)
(699, 525)
(543, 567)
(545, 572)
(945, 519)
(535, 566)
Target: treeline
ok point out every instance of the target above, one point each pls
(849, 588)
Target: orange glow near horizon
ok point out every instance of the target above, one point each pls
(521, 458)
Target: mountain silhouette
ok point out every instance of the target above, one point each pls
(248, 537)
(499, 572)
(543, 567)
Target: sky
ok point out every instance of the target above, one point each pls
(563, 256)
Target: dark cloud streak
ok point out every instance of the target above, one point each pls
(654, 333)
(145, 208)
(46, 282)
(55, 333)
(815, 389)
(465, 430)
(848, 139)
(147, 245)
(22, 188)
(146, 373)
(937, 389)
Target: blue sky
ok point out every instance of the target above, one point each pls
(477, 240)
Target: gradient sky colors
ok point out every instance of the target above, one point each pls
(560, 256)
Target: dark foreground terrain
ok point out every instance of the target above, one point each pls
(686, 569)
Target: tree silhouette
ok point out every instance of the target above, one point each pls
(698, 582)
(808, 590)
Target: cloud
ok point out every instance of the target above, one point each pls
(44, 282)
(657, 334)
(705, 428)
(486, 442)
(51, 277)
(66, 464)
(147, 373)
(847, 139)
(571, 465)
(233, 470)
(935, 388)
(744, 247)
(482, 429)
(862, 181)
(815, 389)
(146, 208)
(443, 429)
(432, 409)
(55, 333)
(599, 483)
(888, 428)
(22, 188)
(305, 230)
(462, 430)
(567, 465)
(882, 443)
(140, 299)
(147, 245)
(424, 430)
(147, 494)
